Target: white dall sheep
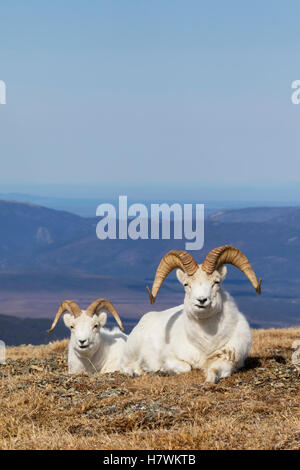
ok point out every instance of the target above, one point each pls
(207, 332)
(91, 347)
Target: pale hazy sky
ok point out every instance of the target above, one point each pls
(149, 91)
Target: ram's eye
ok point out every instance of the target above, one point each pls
(96, 326)
(216, 282)
(186, 284)
(72, 327)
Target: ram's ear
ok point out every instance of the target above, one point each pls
(68, 319)
(222, 271)
(181, 276)
(102, 318)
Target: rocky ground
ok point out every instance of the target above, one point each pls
(42, 407)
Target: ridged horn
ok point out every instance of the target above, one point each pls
(103, 304)
(172, 260)
(66, 306)
(228, 254)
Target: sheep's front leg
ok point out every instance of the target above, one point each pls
(76, 368)
(219, 370)
(222, 364)
(176, 366)
(75, 365)
(134, 370)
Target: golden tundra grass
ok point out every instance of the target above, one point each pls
(42, 407)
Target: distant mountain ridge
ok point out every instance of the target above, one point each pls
(259, 215)
(36, 238)
(27, 229)
(48, 251)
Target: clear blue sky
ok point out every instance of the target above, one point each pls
(160, 90)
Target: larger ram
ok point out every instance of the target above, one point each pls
(208, 331)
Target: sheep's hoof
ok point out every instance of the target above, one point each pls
(212, 377)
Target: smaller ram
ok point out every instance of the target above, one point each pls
(92, 348)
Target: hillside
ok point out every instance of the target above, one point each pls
(42, 407)
(27, 230)
(278, 215)
(48, 255)
(34, 238)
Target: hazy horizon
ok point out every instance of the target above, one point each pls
(83, 200)
(277, 191)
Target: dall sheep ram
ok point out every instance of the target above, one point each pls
(91, 347)
(207, 332)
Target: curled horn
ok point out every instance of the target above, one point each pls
(102, 304)
(174, 259)
(230, 255)
(66, 306)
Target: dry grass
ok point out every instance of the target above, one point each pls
(257, 408)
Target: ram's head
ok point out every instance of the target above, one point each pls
(85, 325)
(202, 282)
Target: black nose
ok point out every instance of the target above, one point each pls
(202, 300)
(82, 341)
